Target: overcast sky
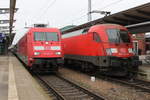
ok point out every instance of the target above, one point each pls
(60, 13)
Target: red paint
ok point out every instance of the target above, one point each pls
(85, 45)
(27, 43)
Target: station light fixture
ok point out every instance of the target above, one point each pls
(5, 27)
(4, 31)
(7, 31)
(4, 21)
(4, 11)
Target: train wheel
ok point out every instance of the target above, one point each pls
(65, 63)
(55, 69)
(87, 67)
(91, 68)
(135, 71)
(132, 74)
(84, 66)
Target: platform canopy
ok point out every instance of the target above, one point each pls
(133, 16)
(12, 11)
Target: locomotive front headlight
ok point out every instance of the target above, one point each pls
(108, 51)
(114, 50)
(55, 48)
(36, 53)
(58, 53)
(38, 47)
(130, 50)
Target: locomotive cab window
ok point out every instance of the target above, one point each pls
(96, 37)
(46, 36)
(117, 36)
(124, 36)
(39, 36)
(51, 36)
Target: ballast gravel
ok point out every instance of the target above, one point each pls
(110, 90)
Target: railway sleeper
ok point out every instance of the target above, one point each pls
(64, 88)
(68, 91)
(74, 93)
(79, 97)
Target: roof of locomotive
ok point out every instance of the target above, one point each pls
(42, 29)
(31, 29)
(108, 25)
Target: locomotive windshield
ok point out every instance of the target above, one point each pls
(46, 36)
(117, 36)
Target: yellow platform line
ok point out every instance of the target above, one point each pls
(12, 89)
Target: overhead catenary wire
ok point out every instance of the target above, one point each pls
(43, 6)
(28, 17)
(111, 4)
(50, 3)
(84, 10)
(80, 17)
(45, 11)
(106, 6)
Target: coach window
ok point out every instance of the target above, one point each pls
(96, 37)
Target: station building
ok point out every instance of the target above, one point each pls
(141, 43)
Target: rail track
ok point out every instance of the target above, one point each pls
(140, 85)
(62, 89)
(147, 59)
(135, 83)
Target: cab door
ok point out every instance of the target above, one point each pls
(97, 44)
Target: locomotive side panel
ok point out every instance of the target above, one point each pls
(85, 48)
(22, 49)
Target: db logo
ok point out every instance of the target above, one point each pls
(47, 48)
(122, 50)
(46, 53)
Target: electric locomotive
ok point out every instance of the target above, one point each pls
(106, 48)
(40, 49)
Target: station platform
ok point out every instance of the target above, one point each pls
(144, 59)
(16, 83)
(144, 72)
(144, 69)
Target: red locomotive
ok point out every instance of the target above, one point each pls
(105, 47)
(40, 49)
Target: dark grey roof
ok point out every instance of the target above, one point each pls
(131, 16)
